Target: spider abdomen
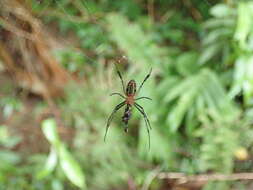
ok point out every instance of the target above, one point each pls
(127, 116)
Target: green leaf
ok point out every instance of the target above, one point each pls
(244, 23)
(179, 89)
(243, 78)
(49, 129)
(210, 52)
(160, 148)
(218, 23)
(216, 35)
(221, 10)
(9, 157)
(7, 140)
(57, 185)
(190, 121)
(186, 63)
(50, 164)
(145, 52)
(71, 167)
(176, 116)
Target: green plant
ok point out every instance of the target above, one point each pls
(201, 86)
(69, 165)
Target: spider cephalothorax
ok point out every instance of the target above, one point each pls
(130, 100)
(131, 88)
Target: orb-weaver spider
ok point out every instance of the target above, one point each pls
(130, 100)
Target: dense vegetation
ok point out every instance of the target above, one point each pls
(201, 52)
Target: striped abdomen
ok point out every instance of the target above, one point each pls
(127, 116)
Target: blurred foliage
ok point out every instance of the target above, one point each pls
(68, 164)
(201, 86)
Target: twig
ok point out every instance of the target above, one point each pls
(205, 177)
(150, 178)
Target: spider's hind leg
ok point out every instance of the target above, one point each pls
(111, 116)
(143, 98)
(141, 110)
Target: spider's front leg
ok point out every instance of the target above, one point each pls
(146, 78)
(111, 116)
(122, 82)
(116, 93)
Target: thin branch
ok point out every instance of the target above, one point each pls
(206, 177)
(153, 174)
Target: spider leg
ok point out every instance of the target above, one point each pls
(116, 93)
(111, 116)
(143, 113)
(146, 122)
(143, 98)
(123, 86)
(144, 80)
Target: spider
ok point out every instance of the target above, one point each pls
(130, 101)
